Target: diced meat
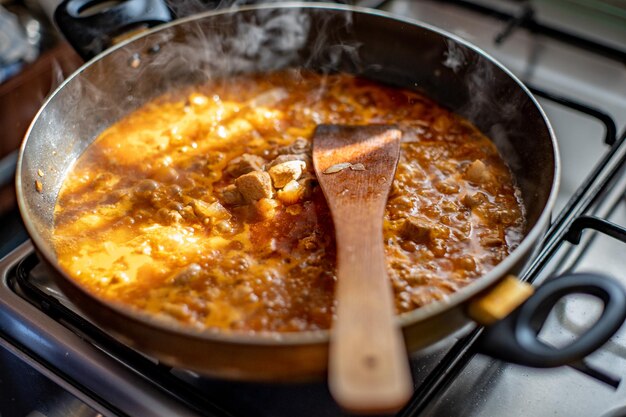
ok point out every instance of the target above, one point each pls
(415, 230)
(291, 193)
(299, 146)
(231, 195)
(209, 211)
(307, 182)
(266, 208)
(188, 213)
(477, 172)
(225, 227)
(474, 200)
(244, 164)
(285, 172)
(169, 216)
(280, 159)
(255, 185)
(491, 241)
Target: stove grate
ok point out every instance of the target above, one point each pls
(570, 223)
(525, 18)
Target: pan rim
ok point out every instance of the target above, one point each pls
(272, 338)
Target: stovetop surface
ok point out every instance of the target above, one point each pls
(110, 378)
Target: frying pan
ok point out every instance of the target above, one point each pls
(327, 37)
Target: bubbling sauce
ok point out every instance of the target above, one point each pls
(202, 208)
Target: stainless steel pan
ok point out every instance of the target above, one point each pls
(323, 37)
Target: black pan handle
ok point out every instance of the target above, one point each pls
(91, 26)
(514, 338)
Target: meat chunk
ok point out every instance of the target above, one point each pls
(255, 185)
(244, 164)
(280, 159)
(169, 216)
(478, 172)
(266, 208)
(291, 193)
(491, 241)
(307, 182)
(415, 230)
(287, 171)
(299, 146)
(474, 200)
(209, 211)
(231, 195)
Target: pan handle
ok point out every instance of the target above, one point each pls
(514, 338)
(91, 26)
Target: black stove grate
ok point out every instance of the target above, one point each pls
(525, 18)
(570, 223)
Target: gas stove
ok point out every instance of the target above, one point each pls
(53, 361)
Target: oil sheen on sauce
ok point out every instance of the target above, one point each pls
(202, 207)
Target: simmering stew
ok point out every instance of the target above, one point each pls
(202, 207)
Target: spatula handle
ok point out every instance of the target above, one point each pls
(368, 366)
(368, 369)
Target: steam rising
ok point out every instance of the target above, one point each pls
(190, 53)
(487, 105)
(207, 49)
(455, 56)
(268, 41)
(203, 50)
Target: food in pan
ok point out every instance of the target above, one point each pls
(202, 207)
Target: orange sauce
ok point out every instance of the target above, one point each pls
(202, 207)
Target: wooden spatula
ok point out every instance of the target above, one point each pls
(368, 365)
